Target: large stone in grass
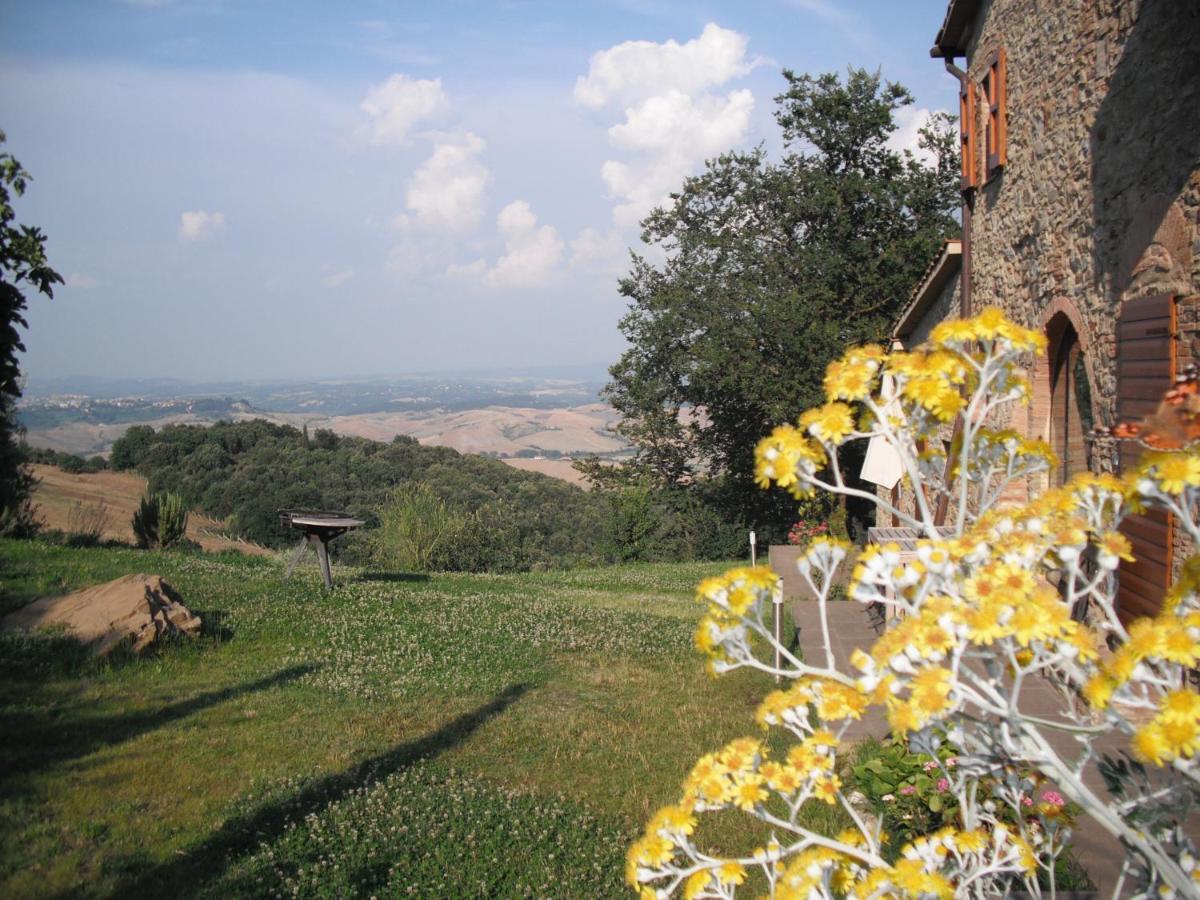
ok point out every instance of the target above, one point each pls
(140, 609)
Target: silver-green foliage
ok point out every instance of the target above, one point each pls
(160, 521)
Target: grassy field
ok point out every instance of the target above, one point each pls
(445, 736)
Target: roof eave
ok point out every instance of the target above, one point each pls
(955, 33)
(945, 267)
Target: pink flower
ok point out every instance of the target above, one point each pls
(1026, 801)
(951, 762)
(1054, 798)
(930, 766)
(908, 790)
(943, 784)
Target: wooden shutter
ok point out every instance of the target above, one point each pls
(1145, 371)
(968, 123)
(996, 95)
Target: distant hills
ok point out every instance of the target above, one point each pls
(548, 411)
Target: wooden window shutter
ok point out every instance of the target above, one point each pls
(1146, 330)
(967, 118)
(996, 95)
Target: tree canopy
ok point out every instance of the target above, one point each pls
(22, 264)
(770, 269)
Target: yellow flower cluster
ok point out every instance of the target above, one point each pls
(1171, 473)
(1174, 732)
(784, 458)
(990, 326)
(831, 700)
(982, 594)
(1167, 638)
(830, 424)
(1005, 450)
(853, 376)
(741, 775)
(730, 597)
(933, 380)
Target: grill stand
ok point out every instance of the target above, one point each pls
(319, 529)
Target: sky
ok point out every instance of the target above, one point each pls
(252, 189)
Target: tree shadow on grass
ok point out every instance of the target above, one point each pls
(206, 863)
(37, 738)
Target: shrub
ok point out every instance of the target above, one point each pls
(980, 621)
(414, 526)
(160, 521)
(86, 524)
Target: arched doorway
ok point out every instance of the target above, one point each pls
(1071, 417)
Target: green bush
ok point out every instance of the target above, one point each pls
(414, 527)
(160, 521)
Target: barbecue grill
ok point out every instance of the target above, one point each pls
(319, 527)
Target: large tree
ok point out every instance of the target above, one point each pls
(771, 269)
(22, 265)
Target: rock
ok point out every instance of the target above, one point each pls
(140, 609)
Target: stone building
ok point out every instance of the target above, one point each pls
(1080, 128)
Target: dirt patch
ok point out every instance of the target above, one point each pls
(58, 493)
(555, 468)
(140, 609)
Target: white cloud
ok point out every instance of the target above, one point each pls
(199, 225)
(594, 249)
(446, 193)
(637, 69)
(673, 121)
(907, 136)
(400, 103)
(82, 282)
(337, 279)
(532, 254)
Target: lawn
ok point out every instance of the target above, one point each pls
(454, 735)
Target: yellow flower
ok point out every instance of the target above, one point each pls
(1181, 736)
(838, 701)
(973, 841)
(931, 691)
(672, 819)
(1113, 546)
(1145, 639)
(1177, 471)
(731, 872)
(748, 792)
(831, 423)
(650, 851)
(984, 623)
(852, 376)
(1176, 644)
(696, 884)
(953, 332)
(1180, 706)
(788, 781)
(1150, 745)
(827, 789)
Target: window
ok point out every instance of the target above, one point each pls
(995, 96)
(967, 126)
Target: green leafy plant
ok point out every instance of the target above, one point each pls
(414, 526)
(909, 791)
(160, 521)
(22, 265)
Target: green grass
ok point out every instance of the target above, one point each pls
(446, 736)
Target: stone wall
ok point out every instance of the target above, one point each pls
(1099, 199)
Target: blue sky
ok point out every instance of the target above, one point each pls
(263, 189)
